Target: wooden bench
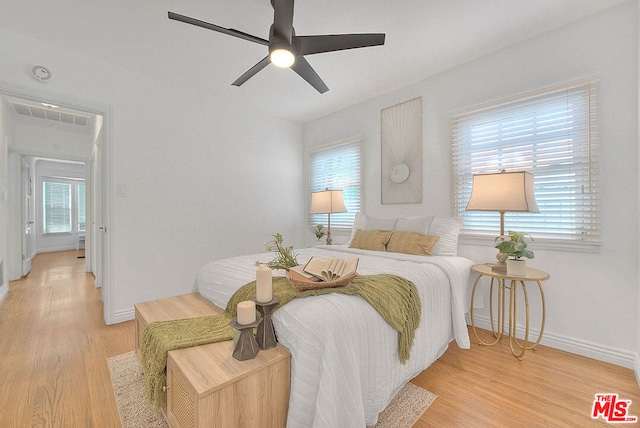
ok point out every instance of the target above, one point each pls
(172, 308)
(206, 386)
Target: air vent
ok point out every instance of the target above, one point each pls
(50, 114)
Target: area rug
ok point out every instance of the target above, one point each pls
(128, 387)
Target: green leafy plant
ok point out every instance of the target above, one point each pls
(319, 231)
(285, 257)
(515, 247)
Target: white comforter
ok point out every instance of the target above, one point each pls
(345, 368)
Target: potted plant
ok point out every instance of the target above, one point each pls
(319, 231)
(285, 257)
(515, 252)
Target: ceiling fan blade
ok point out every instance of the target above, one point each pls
(283, 18)
(303, 68)
(208, 26)
(307, 45)
(252, 71)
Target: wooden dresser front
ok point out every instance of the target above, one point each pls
(206, 386)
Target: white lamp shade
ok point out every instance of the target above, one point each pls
(504, 192)
(327, 202)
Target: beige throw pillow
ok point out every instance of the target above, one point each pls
(370, 239)
(411, 243)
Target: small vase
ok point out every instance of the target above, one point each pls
(517, 267)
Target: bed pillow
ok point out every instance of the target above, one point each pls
(364, 222)
(411, 243)
(414, 224)
(375, 240)
(448, 229)
(359, 222)
(381, 223)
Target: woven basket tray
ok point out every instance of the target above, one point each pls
(301, 283)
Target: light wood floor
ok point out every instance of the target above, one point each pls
(53, 348)
(54, 345)
(488, 387)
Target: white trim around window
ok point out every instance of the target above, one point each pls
(62, 200)
(553, 134)
(337, 167)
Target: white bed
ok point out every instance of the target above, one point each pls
(345, 368)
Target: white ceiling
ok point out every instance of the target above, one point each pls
(423, 37)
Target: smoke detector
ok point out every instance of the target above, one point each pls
(41, 73)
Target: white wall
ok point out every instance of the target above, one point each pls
(42, 137)
(14, 219)
(203, 178)
(5, 129)
(637, 357)
(592, 297)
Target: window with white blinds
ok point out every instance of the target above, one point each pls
(63, 206)
(553, 134)
(57, 207)
(337, 168)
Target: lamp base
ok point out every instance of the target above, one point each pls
(500, 265)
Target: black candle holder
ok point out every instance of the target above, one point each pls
(246, 347)
(266, 335)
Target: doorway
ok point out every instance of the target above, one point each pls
(44, 127)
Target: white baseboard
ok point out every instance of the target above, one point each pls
(53, 249)
(609, 354)
(4, 290)
(125, 315)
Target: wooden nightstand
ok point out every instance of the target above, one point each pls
(504, 281)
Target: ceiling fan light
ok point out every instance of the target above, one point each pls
(282, 58)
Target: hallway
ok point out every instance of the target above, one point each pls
(54, 345)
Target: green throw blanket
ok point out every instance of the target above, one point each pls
(395, 298)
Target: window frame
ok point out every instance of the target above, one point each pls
(74, 184)
(339, 221)
(584, 155)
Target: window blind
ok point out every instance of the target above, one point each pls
(337, 168)
(57, 207)
(553, 134)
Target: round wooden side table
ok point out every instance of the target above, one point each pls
(510, 282)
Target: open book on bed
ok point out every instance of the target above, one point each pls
(330, 269)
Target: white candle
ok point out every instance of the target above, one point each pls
(264, 285)
(246, 312)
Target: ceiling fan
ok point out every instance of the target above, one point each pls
(287, 50)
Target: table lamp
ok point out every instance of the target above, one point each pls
(503, 192)
(327, 202)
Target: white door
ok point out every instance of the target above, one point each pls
(98, 228)
(27, 218)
